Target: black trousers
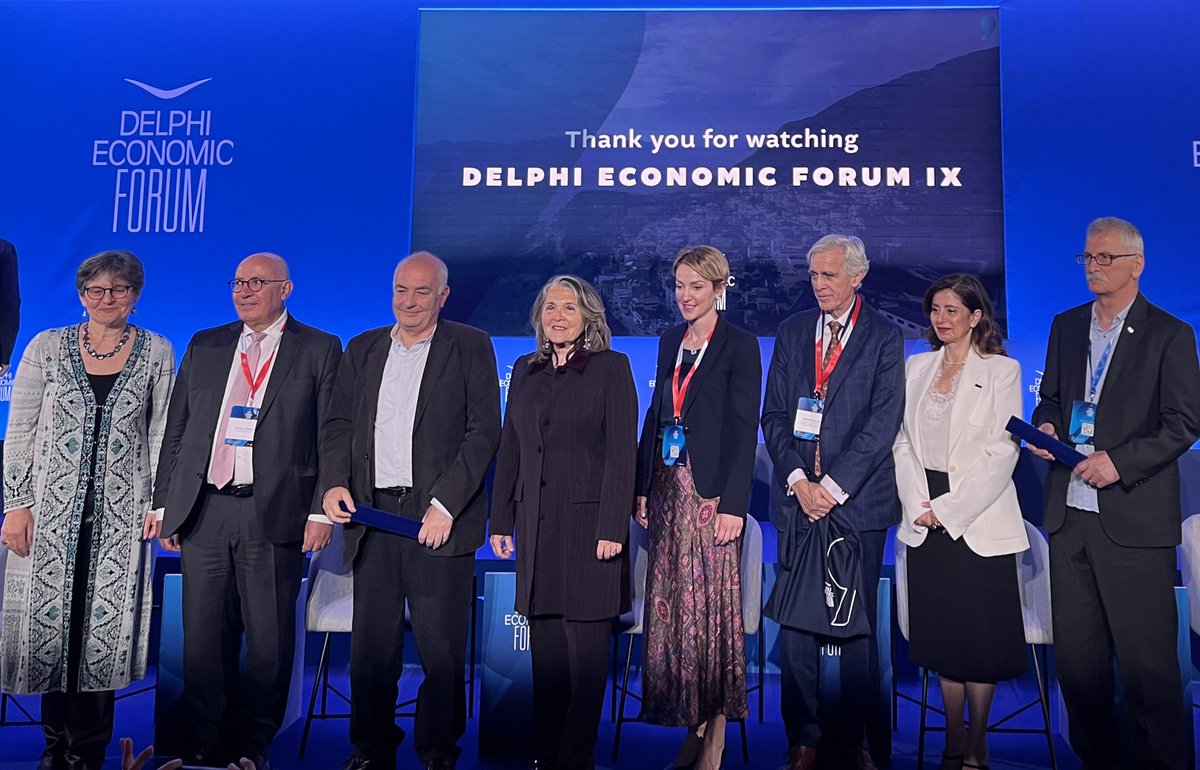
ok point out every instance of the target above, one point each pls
(1111, 600)
(389, 570)
(570, 673)
(816, 721)
(78, 726)
(235, 582)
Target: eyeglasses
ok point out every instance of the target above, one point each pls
(1102, 259)
(254, 284)
(98, 292)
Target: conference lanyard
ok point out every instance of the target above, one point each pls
(255, 382)
(1095, 374)
(825, 372)
(679, 392)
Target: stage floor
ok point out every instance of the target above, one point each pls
(642, 746)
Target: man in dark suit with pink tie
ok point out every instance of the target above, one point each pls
(849, 359)
(237, 481)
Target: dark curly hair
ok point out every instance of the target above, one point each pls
(985, 337)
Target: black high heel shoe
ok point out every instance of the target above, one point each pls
(951, 762)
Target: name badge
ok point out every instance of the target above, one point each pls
(674, 442)
(809, 413)
(1083, 422)
(242, 422)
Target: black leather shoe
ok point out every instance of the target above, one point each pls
(50, 761)
(359, 762)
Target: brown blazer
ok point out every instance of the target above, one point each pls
(564, 480)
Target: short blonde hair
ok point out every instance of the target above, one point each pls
(708, 261)
(596, 334)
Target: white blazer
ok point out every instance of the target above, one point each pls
(981, 506)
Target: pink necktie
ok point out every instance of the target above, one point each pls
(223, 459)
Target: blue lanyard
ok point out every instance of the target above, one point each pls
(1097, 372)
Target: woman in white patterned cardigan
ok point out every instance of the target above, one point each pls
(89, 404)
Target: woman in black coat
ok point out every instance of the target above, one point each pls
(564, 482)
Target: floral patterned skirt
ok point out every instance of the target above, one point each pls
(694, 644)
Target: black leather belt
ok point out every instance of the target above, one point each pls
(394, 491)
(232, 490)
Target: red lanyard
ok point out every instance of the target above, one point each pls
(679, 392)
(825, 372)
(256, 382)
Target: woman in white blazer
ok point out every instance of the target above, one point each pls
(961, 523)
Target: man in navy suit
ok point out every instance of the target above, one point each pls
(847, 355)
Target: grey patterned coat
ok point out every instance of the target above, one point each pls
(46, 467)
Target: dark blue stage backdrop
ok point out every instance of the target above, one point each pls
(341, 135)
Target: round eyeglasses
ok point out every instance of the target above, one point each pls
(98, 292)
(254, 284)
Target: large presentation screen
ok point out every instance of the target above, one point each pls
(600, 143)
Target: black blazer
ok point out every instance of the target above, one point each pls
(455, 435)
(564, 480)
(1148, 415)
(10, 301)
(285, 440)
(720, 413)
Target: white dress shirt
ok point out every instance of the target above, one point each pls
(396, 413)
(825, 335)
(243, 464)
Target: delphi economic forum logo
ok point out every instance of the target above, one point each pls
(160, 160)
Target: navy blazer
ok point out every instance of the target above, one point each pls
(285, 441)
(720, 412)
(1148, 415)
(864, 406)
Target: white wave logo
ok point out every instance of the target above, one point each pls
(166, 93)
(160, 159)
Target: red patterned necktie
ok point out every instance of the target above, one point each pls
(835, 345)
